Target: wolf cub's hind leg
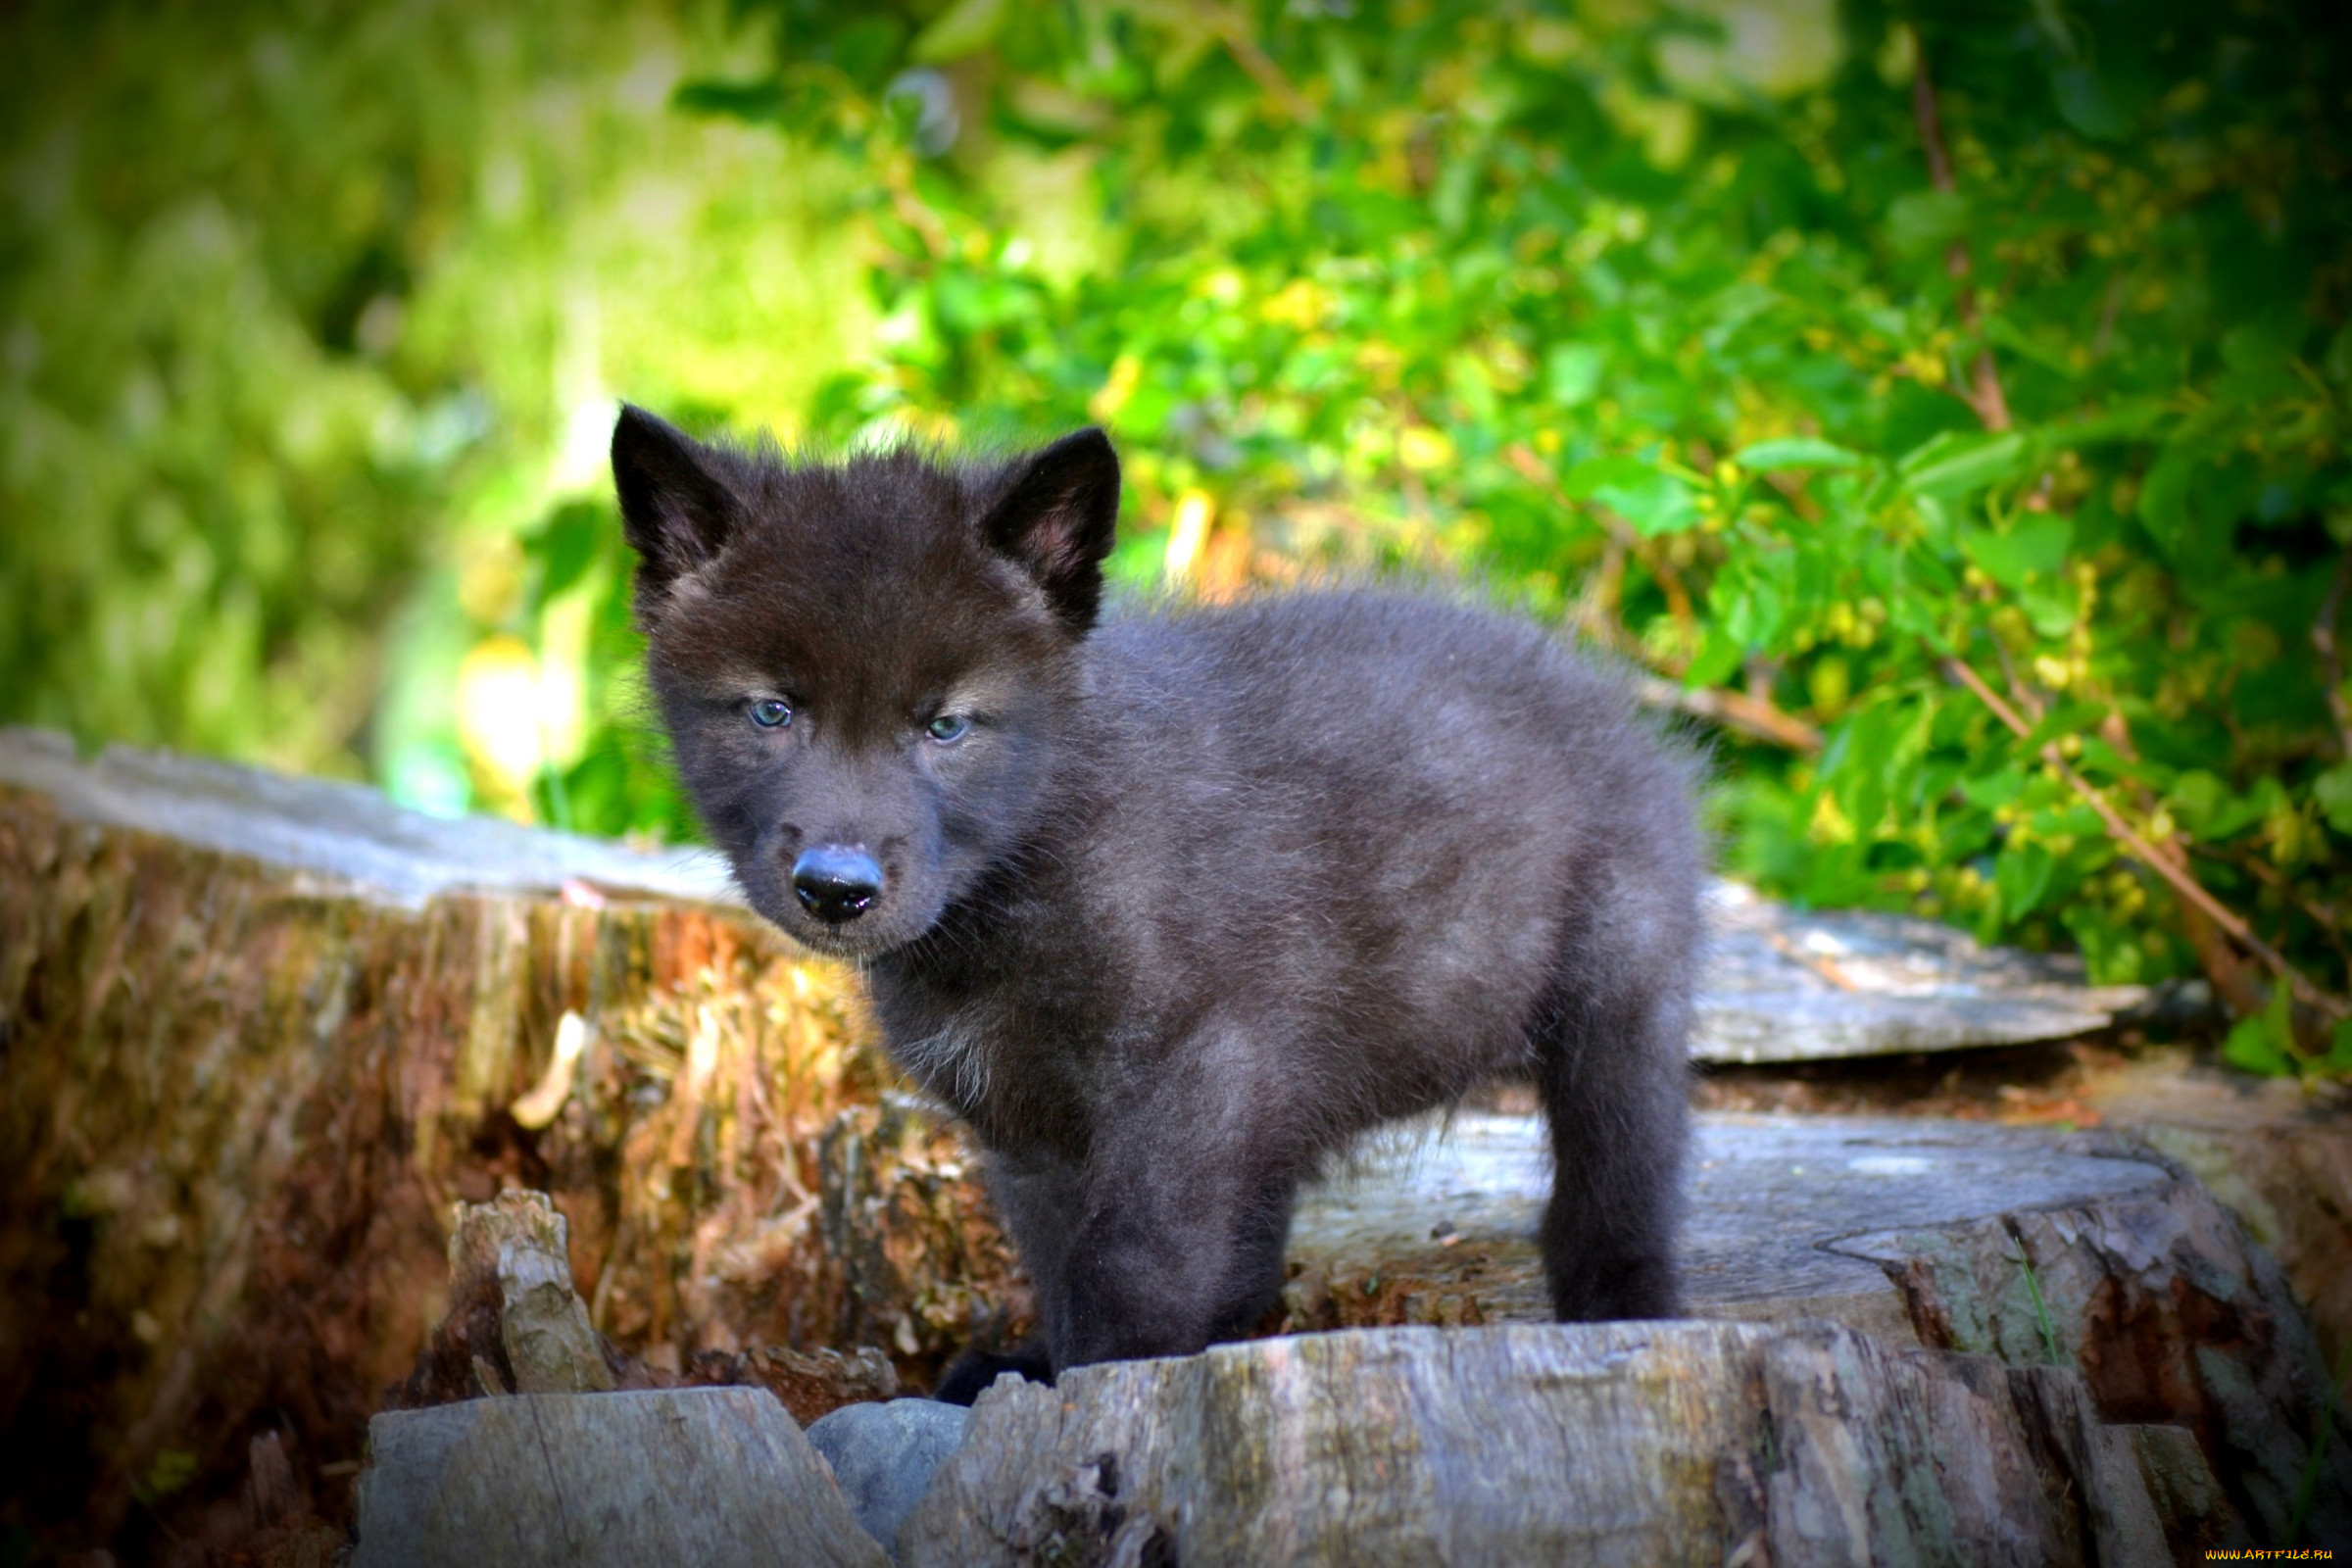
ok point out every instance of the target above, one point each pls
(1611, 1066)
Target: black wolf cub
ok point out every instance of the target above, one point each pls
(1169, 904)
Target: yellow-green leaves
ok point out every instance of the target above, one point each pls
(1795, 452)
(1652, 501)
(1952, 464)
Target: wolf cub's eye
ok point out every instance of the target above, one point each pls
(947, 727)
(771, 713)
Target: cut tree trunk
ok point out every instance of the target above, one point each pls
(238, 1096)
(1634, 1443)
(604, 1481)
(257, 1037)
(2091, 1252)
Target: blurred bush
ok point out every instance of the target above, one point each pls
(1946, 403)
(307, 312)
(1949, 400)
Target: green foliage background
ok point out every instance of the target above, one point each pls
(1653, 319)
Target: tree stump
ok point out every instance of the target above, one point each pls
(258, 1036)
(603, 1480)
(1636, 1444)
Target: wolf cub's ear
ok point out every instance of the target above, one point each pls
(1055, 516)
(674, 506)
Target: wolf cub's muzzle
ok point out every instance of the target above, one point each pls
(836, 882)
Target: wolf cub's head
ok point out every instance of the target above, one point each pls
(865, 666)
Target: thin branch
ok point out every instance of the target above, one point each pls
(1741, 711)
(2108, 307)
(1752, 715)
(2163, 865)
(1231, 27)
(2024, 696)
(1594, 613)
(1537, 472)
(2215, 956)
(1930, 114)
(1983, 393)
(2326, 917)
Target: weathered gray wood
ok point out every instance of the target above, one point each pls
(1603, 1444)
(1779, 986)
(2172, 1315)
(1783, 985)
(1440, 1227)
(350, 836)
(1914, 1231)
(518, 1239)
(602, 1481)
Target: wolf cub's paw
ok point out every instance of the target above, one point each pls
(970, 1373)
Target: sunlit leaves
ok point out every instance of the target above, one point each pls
(1697, 367)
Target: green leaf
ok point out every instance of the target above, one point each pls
(965, 28)
(1927, 221)
(1950, 466)
(1717, 659)
(2334, 791)
(2264, 1042)
(2035, 544)
(2050, 606)
(1653, 502)
(2086, 104)
(2050, 356)
(1795, 452)
(2250, 1049)
(2021, 875)
(1999, 788)
(565, 544)
(2211, 810)
(1572, 372)
(1749, 608)
(2163, 497)
(2337, 1063)
(2124, 419)
(739, 100)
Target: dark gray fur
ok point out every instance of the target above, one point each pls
(1203, 894)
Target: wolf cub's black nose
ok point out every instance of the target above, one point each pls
(836, 882)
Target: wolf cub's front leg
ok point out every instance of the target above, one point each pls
(1167, 1237)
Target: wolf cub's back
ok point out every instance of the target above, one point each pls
(1381, 808)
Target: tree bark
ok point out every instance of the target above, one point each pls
(603, 1480)
(259, 1036)
(239, 1099)
(1636, 1444)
